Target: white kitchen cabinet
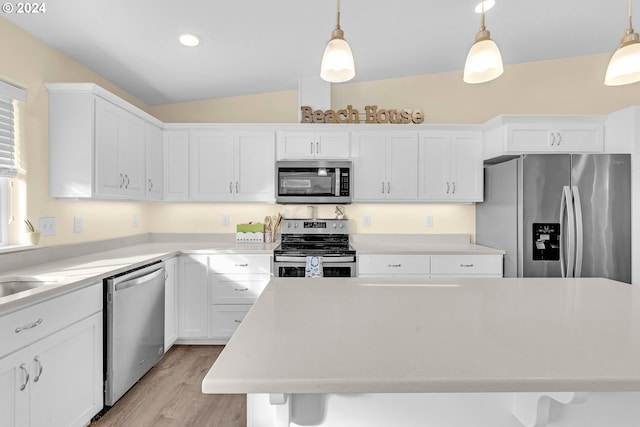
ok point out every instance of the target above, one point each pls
(231, 166)
(236, 281)
(96, 144)
(466, 265)
(176, 165)
(171, 298)
(57, 378)
(393, 265)
(518, 134)
(193, 296)
(385, 166)
(297, 145)
(451, 166)
(154, 163)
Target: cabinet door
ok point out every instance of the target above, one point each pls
(153, 183)
(66, 375)
(255, 167)
(211, 171)
(402, 166)
(331, 145)
(170, 303)
(225, 319)
(176, 165)
(466, 167)
(554, 137)
(131, 153)
(434, 184)
(369, 157)
(192, 300)
(109, 178)
(295, 145)
(14, 389)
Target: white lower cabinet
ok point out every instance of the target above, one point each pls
(57, 379)
(393, 265)
(216, 291)
(171, 299)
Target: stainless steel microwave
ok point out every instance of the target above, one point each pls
(314, 181)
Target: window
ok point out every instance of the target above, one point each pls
(8, 167)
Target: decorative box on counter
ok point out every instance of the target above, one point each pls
(250, 233)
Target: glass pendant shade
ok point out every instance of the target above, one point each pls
(337, 62)
(624, 66)
(484, 62)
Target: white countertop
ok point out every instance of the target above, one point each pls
(424, 244)
(434, 335)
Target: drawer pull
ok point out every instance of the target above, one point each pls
(37, 360)
(237, 321)
(241, 289)
(23, 367)
(466, 265)
(242, 265)
(395, 265)
(29, 326)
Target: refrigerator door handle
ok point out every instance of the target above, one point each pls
(566, 205)
(579, 231)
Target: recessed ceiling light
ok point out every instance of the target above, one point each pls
(488, 4)
(189, 40)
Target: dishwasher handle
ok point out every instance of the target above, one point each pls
(141, 279)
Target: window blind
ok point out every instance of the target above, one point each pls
(8, 93)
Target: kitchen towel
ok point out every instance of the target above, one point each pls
(314, 267)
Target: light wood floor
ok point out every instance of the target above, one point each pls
(169, 395)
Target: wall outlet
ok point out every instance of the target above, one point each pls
(428, 221)
(47, 226)
(77, 224)
(135, 220)
(366, 220)
(225, 219)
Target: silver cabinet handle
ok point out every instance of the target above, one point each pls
(121, 180)
(317, 148)
(454, 188)
(24, 369)
(150, 185)
(466, 265)
(382, 187)
(28, 326)
(388, 187)
(238, 321)
(237, 191)
(559, 138)
(395, 265)
(448, 188)
(37, 360)
(242, 265)
(311, 152)
(128, 182)
(553, 138)
(241, 289)
(230, 187)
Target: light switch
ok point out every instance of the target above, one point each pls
(429, 221)
(47, 226)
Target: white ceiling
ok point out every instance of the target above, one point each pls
(256, 46)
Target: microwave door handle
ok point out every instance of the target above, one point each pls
(337, 186)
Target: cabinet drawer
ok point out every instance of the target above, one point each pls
(238, 288)
(241, 264)
(225, 319)
(391, 265)
(466, 265)
(33, 323)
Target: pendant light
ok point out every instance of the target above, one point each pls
(624, 67)
(337, 61)
(484, 62)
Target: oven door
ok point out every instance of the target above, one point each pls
(329, 269)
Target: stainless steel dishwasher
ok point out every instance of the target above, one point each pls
(134, 327)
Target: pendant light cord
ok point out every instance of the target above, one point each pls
(482, 26)
(630, 29)
(338, 16)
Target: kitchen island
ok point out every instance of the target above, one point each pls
(445, 352)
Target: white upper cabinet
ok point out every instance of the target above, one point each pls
(231, 166)
(154, 163)
(176, 165)
(385, 166)
(515, 134)
(451, 166)
(297, 145)
(96, 144)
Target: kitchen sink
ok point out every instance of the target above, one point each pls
(15, 285)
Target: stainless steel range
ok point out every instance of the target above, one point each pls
(304, 238)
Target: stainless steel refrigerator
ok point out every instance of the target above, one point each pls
(559, 215)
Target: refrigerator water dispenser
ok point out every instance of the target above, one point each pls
(546, 242)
